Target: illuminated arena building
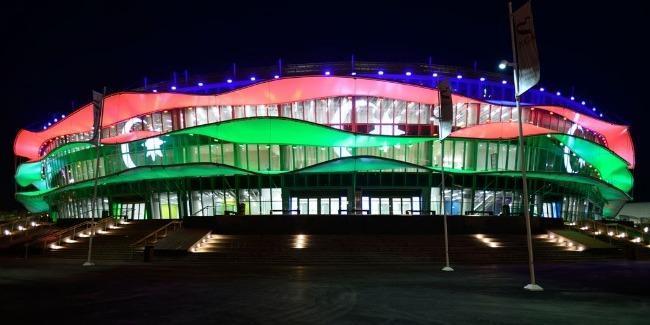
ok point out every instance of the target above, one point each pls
(328, 139)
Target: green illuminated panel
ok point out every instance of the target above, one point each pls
(268, 130)
(176, 155)
(71, 146)
(164, 172)
(612, 168)
(33, 201)
(615, 197)
(28, 173)
(358, 164)
(609, 192)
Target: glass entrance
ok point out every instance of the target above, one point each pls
(319, 205)
(384, 203)
(131, 211)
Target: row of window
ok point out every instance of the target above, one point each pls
(458, 201)
(459, 154)
(360, 114)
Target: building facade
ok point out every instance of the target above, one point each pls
(322, 140)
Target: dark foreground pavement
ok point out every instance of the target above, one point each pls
(40, 291)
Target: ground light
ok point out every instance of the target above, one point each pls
(300, 241)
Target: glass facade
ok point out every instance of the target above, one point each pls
(274, 179)
(361, 114)
(543, 155)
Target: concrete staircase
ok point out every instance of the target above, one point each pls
(382, 249)
(113, 245)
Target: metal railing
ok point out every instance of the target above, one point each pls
(153, 236)
(285, 211)
(421, 212)
(613, 231)
(20, 225)
(203, 209)
(354, 211)
(86, 228)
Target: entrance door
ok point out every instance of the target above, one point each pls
(319, 205)
(391, 203)
(131, 211)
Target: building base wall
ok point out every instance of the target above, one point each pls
(367, 224)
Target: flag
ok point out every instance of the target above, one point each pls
(526, 48)
(98, 102)
(446, 109)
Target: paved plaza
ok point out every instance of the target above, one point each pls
(168, 292)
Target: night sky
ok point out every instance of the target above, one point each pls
(55, 53)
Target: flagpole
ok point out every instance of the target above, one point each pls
(98, 135)
(532, 286)
(447, 267)
(444, 128)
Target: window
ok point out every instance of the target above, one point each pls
(310, 110)
(201, 115)
(226, 112)
(484, 116)
(189, 117)
(213, 114)
(166, 121)
(321, 111)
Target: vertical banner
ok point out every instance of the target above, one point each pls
(98, 102)
(446, 109)
(526, 48)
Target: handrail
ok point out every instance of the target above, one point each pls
(205, 207)
(347, 211)
(613, 230)
(154, 234)
(284, 211)
(422, 212)
(8, 228)
(72, 231)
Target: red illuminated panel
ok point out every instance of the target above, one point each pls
(618, 136)
(121, 106)
(499, 131)
(135, 135)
